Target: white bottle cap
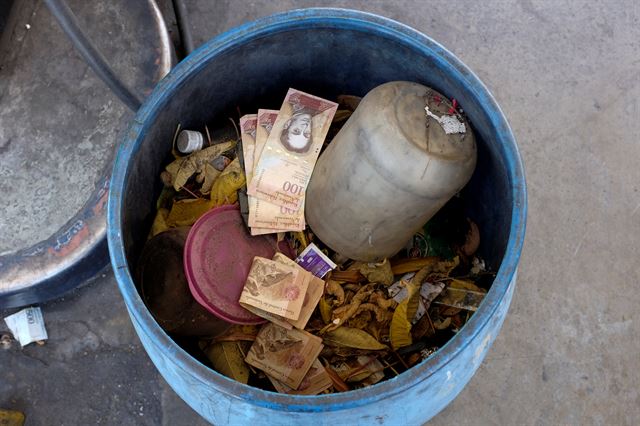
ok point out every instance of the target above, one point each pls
(190, 141)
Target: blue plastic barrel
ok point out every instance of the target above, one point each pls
(326, 52)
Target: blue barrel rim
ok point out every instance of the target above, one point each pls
(291, 20)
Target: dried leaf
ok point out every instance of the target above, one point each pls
(238, 333)
(375, 272)
(472, 239)
(225, 187)
(183, 168)
(341, 115)
(353, 338)
(343, 313)
(380, 313)
(360, 319)
(461, 294)
(349, 101)
(442, 325)
(11, 418)
(165, 199)
(210, 174)
(325, 310)
(400, 328)
(424, 327)
(338, 383)
(187, 212)
(334, 289)
(159, 223)
(379, 299)
(404, 266)
(465, 285)
(359, 368)
(227, 359)
(351, 276)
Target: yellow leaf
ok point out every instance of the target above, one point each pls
(210, 175)
(159, 223)
(225, 187)
(465, 285)
(375, 272)
(403, 266)
(227, 359)
(183, 168)
(352, 338)
(11, 418)
(325, 310)
(186, 212)
(400, 328)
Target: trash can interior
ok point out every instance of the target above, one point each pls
(326, 63)
(326, 52)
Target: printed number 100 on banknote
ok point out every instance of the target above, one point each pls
(286, 164)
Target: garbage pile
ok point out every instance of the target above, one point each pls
(233, 271)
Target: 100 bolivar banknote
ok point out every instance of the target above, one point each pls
(249, 133)
(286, 163)
(264, 217)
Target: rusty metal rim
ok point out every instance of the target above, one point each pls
(78, 250)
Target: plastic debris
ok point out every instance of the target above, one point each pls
(314, 261)
(27, 326)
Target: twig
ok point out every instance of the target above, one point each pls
(404, 364)
(338, 383)
(383, 368)
(433, 329)
(391, 367)
(462, 277)
(194, 195)
(206, 129)
(362, 367)
(244, 355)
(235, 127)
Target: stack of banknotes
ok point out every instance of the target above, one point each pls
(280, 150)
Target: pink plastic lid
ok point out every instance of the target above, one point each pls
(217, 258)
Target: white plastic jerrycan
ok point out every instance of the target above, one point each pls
(400, 157)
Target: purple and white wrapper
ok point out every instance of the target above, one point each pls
(315, 261)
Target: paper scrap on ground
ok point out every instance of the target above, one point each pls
(292, 148)
(27, 326)
(274, 287)
(315, 261)
(285, 355)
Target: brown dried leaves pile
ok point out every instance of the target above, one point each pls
(375, 320)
